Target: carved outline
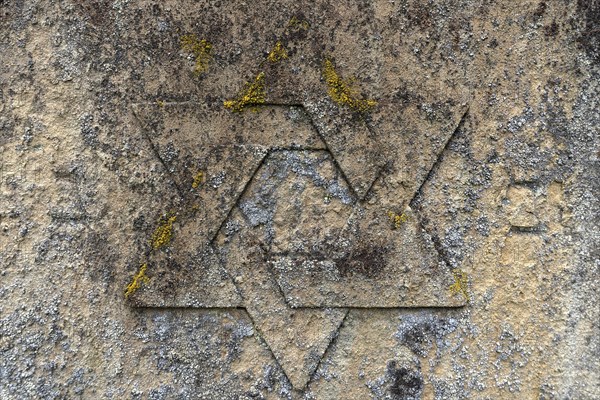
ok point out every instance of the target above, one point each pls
(414, 200)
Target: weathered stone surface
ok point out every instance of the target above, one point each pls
(192, 192)
(371, 264)
(297, 337)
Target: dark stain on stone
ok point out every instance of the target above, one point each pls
(419, 332)
(540, 10)
(100, 258)
(89, 131)
(590, 36)
(165, 280)
(551, 30)
(420, 16)
(366, 261)
(95, 12)
(139, 224)
(407, 383)
(418, 338)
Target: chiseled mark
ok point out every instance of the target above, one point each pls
(145, 129)
(334, 336)
(254, 95)
(413, 203)
(438, 161)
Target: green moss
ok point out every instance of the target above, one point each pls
(163, 233)
(198, 179)
(342, 91)
(137, 281)
(461, 283)
(397, 219)
(252, 95)
(201, 49)
(278, 53)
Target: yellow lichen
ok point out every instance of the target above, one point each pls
(197, 179)
(460, 285)
(200, 49)
(397, 219)
(342, 91)
(160, 103)
(137, 281)
(278, 53)
(299, 23)
(253, 95)
(163, 233)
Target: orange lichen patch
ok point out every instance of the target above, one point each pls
(198, 179)
(342, 91)
(397, 219)
(163, 233)
(253, 95)
(137, 281)
(200, 49)
(298, 23)
(461, 283)
(278, 53)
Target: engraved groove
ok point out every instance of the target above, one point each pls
(335, 161)
(417, 195)
(157, 154)
(438, 161)
(331, 343)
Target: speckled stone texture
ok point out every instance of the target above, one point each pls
(400, 200)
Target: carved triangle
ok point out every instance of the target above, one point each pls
(347, 136)
(298, 338)
(412, 139)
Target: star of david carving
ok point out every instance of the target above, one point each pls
(300, 211)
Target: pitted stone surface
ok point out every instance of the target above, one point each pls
(391, 267)
(123, 172)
